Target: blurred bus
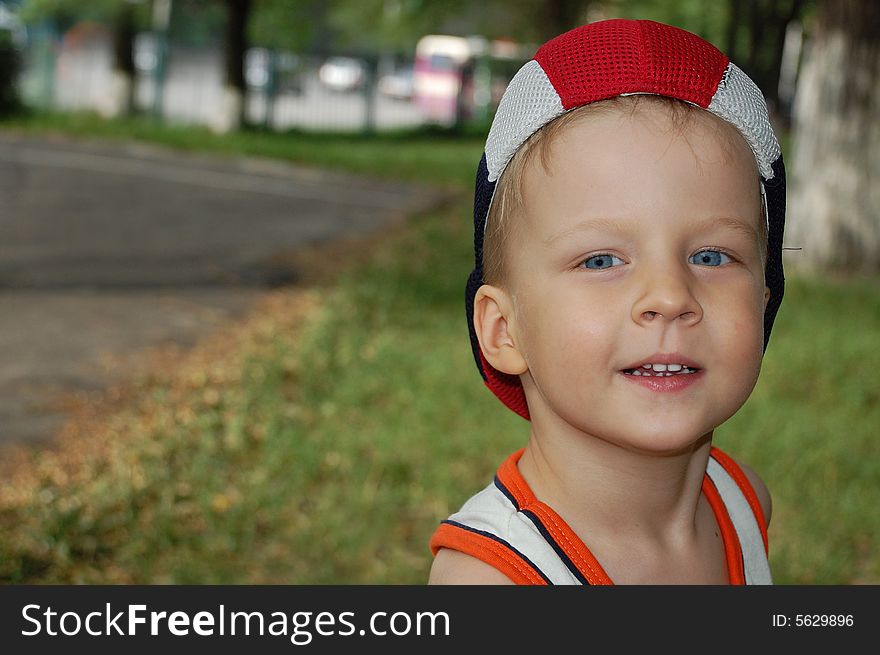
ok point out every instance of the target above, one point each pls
(443, 76)
(457, 78)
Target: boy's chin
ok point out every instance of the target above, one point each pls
(661, 440)
(668, 445)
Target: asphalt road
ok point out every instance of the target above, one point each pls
(107, 250)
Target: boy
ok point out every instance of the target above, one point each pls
(628, 225)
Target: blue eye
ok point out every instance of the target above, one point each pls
(600, 262)
(710, 258)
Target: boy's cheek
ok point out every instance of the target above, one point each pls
(750, 336)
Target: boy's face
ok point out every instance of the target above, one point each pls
(617, 259)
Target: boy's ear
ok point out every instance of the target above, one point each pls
(494, 325)
(766, 297)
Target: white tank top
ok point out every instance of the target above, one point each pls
(507, 527)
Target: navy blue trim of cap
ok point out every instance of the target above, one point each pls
(504, 543)
(475, 281)
(774, 274)
(483, 192)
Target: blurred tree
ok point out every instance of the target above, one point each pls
(750, 32)
(124, 30)
(560, 16)
(62, 12)
(9, 69)
(235, 45)
(707, 19)
(835, 199)
(226, 23)
(122, 16)
(764, 23)
(398, 24)
(196, 23)
(291, 25)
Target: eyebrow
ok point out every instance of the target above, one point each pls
(601, 224)
(597, 224)
(731, 223)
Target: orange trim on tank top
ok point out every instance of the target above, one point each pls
(745, 486)
(483, 548)
(577, 551)
(732, 550)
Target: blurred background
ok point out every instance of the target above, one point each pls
(278, 64)
(233, 240)
(341, 65)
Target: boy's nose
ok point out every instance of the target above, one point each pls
(667, 296)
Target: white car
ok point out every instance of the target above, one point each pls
(397, 85)
(343, 73)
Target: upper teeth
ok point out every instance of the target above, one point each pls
(663, 367)
(662, 370)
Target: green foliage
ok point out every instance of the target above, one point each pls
(398, 25)
(708, 19)
(67, 12)
(290, 25)
(197, 23)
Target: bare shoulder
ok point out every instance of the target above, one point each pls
(760, 488)
(452, 567)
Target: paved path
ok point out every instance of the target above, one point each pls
(107, 250)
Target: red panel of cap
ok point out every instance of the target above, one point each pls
(507, 387)
(606, 59)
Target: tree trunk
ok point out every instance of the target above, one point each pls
(234, 49)
(757, 21)
(734, 13)
(765, 23)
(560, 16)
(835, 198)
(779, 21)
(121, 101)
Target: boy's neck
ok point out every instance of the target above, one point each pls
(614, 492)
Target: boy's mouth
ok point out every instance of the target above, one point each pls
(663, 365)
(661, 370)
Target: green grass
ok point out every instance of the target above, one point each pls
(325, 450)
(811, 430)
